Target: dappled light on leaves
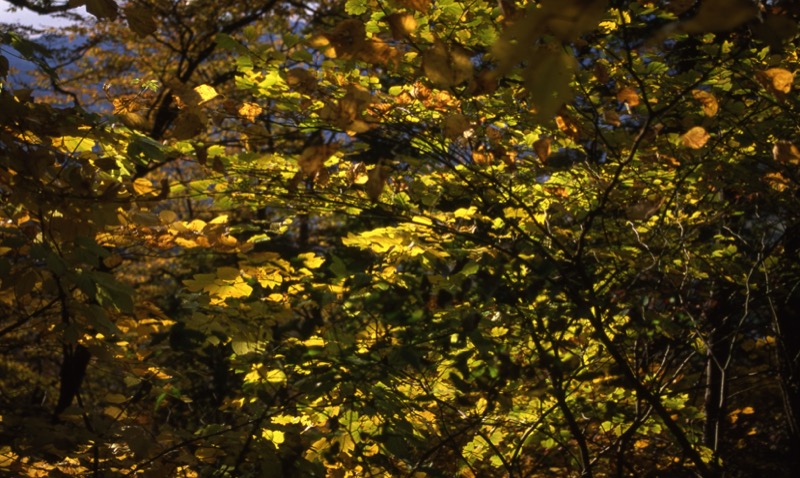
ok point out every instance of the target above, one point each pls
(402, 238)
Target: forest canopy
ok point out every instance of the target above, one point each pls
(424, 238)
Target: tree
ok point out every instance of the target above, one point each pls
(478, 239)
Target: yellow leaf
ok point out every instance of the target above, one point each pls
(311, 260)
(167, 216)
(250, 111)
(748, 411)
(276, 376)
(421, 220)
(314, 341)
(275, 436)
(143, 186)
(206, 92)
(695, 138)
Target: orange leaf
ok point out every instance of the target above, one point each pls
(542, 148)
(777, 81)
(695, 138)
(628, 95)
(709, 102)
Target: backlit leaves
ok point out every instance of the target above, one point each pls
(777, 81)
(707, 100)
(446, 65)
(695, 138)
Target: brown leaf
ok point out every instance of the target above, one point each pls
(709, 102)
(455, 125)
(786, 152)
(644, 209)
(401, 24)
(542, 148)
(419, 5)
(189, 123)
(611, 117)
(102, 9)
(547, 79)
(313, 158)
(446, 66)
(301, 79)
(720, 16)
(376, 182)
(569, 19)
(140, 20)
(348, 38)
(775, 29)
(695, 138)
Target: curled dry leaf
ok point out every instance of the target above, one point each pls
(709, 102)
(786, 152)
(776, 81)
(695, 138)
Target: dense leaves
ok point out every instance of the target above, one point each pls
(403, 238)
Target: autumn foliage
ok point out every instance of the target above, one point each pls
(402, 238)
